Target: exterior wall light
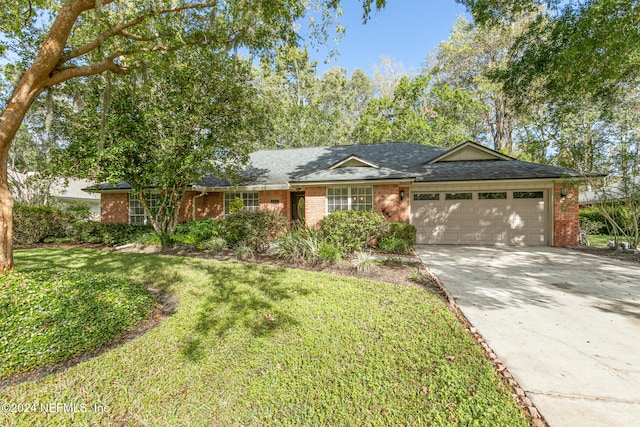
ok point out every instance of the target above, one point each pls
(402, 195)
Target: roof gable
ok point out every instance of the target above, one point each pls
(354, 162)
(469, 151)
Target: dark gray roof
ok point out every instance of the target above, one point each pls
(396, 160)
(483, 170)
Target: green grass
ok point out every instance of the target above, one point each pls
(256, 345)
(48, 317)
(599, 240)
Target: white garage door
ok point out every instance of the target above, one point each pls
(479, 217)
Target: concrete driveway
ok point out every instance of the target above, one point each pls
(566, 324)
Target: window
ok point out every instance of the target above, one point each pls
(136, 210)
(492, 196)
(528, 194)
(458, 196)
(426, 196)
(249, 201)
(349, 198)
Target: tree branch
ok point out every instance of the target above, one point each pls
(120, 29)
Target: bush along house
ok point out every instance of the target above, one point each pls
(465, 195)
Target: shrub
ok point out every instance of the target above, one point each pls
(47, 317)
(394, 245)
(352, 231)
(215, 244)
(256, 229)
(404, 231)
(110, 234)
(78, 210)
(299, 244)
(32, 224)
(620, 214)
(329, 252)
(201, 230)
(364, 262)
(243, 251)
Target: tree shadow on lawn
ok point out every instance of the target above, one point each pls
(101, 261)
(243, 296)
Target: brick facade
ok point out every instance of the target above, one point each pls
(315, 205)
(566, 225)
(386, 199)
(275, 201)
(114, 207)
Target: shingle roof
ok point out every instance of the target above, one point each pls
(396, 160)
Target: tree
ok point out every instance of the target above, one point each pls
(308, 110)
(467, 61)
(574, 50)
(184, 118)
(418, 112)
(61, 40)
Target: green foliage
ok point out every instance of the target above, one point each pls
(329, 252)
(554, 58)
(394, 245)
(418, 113)
(404, 231)
(47, 317)
(243, 251)
(198, 233)
(364, 262)
(618, 212)
(215, 244)
(592, 221)
(299, 244)
(78, 210)
(32, 224)
(353, 230)
(236, 205)
(110, 234)
(255, 229)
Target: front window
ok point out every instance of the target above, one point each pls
(349, 198)
(136, 210)
(249, 201)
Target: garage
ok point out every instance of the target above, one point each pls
(510, 217)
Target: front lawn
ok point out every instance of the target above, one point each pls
(256, 345)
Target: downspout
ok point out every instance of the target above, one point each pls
(193, 204)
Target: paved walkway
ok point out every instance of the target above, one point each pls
(565, 323)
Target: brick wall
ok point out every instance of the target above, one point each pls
(315, 205)
(566, 229)
(281, 199)
(211, 205)
(386, 199)
(114, 207)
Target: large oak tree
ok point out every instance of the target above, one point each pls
(59, 40)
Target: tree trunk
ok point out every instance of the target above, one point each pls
(6, 217)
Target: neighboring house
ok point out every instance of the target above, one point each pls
(616, 192)
(61, 191)
(465, 195)
(73, 191)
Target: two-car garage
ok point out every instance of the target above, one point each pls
(482, 217)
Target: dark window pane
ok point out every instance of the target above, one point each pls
(492, 196)
(528, 194)
(458, 196)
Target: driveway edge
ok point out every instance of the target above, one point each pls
(535, 417)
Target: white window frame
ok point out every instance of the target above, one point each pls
(137, 216)
(349, 192)
(250, 200)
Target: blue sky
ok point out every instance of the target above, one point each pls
(405, 30)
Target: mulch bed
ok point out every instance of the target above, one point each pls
(622, 255)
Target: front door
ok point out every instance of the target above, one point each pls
(297, 207)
